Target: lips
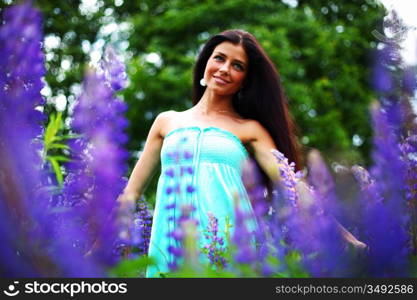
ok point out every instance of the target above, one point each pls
(220, 80)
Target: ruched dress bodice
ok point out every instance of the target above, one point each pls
(201, 167)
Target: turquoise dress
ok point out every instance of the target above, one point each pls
(201, 167)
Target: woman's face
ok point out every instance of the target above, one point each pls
(226, 69)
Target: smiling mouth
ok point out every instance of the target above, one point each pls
(220, 80)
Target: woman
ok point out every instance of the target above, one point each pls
(239, 111)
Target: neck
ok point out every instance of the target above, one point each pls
(213, 103)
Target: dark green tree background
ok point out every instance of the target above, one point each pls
(322, 49)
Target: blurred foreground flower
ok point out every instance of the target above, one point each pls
(27, 220)
(386, 213)
(95, 175)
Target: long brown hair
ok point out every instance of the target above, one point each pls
(262, 97)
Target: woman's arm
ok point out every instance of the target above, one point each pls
(262, 143)
(148, 160)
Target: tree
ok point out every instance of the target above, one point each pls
(322, 50)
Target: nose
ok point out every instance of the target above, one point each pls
(225, 67)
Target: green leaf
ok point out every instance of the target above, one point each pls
(295, 269)
(59, 146)
(68, 136)
(58, 158)
(54, 125)
(131, 267)
(57, 170)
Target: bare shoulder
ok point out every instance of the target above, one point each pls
(165, 116)
(165, 121)
(255, 130)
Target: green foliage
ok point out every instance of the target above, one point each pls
(294, 268)
(131, 267)
(323, 59)
(53, 146)
(322, 50)
(195, 262)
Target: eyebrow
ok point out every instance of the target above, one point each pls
(221, 53)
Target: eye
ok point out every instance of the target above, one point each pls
(219, 58)
(238, 67)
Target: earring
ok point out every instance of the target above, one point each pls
(203, 82)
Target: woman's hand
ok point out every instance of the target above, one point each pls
(352, 243)
(125, 210)
(126, 200)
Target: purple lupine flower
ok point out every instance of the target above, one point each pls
(134, 237)
(385, 221)
(362, 177)
(21, 72)
(95, 186)
(286, 199)
(386, 216)
(28, 223)
(242, 238)
(409, 153)
(285, 223)
(323, 226)
(265, 226)
(128, 233)
(142, 227)
(409, 81)
(177, 252)
(370, 192)
(114, 69)
(215, 249)
(254, 187)
(304, 216)
(382, 80)
(289, 178)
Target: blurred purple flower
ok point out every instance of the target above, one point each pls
(114, 69)
(243, 238)
(92, 187)
(386, 211)
(29, 246)
(323, 227)
(409, 81)
(305, 216)
(386, 219)
(264, 232)
(381, 79)
(409, 153)
(21, 204)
